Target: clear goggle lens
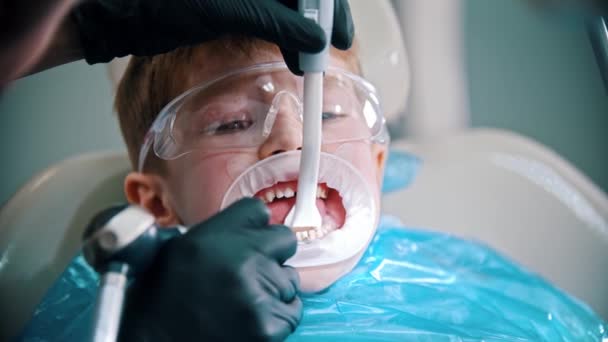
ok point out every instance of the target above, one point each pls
(240, 110)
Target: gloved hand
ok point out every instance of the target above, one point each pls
(222, 280)
(116, 28)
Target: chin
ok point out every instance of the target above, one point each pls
(317, 279)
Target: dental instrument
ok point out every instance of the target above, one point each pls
(597, 29)
(120, 242)
(304, 215)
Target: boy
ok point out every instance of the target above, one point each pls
(230, 127)
(226, 127)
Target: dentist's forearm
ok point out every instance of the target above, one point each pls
(64, 48)
(27, 29)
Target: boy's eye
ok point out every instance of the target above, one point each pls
(232, 126)
(332, 116)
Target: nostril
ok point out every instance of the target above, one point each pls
(299, 149)
(277, 152)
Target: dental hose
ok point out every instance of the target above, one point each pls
(119, 243)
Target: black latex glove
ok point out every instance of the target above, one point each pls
(116, 28)
(222, 280)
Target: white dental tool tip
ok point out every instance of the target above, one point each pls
(304, 214)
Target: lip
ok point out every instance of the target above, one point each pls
(281, 197)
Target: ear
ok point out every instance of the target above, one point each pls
(379, 155)
(150, 192)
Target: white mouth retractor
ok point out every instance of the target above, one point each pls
(357, 197)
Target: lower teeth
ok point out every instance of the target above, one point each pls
(317, 233)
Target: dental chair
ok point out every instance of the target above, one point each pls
(516, 196)
(488, 185)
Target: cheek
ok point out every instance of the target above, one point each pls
(360, 155)
(198, 188)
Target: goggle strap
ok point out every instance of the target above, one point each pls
(145, 148)
(269, 121)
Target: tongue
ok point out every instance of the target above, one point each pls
(280, 208)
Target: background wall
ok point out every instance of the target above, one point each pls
(535, 74)
(51, 116)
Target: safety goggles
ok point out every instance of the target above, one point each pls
(240, 109)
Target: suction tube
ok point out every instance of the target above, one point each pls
(313, 65)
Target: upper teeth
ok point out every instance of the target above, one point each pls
(270, 195)
(289, 193)
(321, 192)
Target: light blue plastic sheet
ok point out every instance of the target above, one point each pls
(411, 285)
(423, 286)
(66, 312)
(400, 170)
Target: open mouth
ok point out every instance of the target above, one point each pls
(281, 197)
(345, 202)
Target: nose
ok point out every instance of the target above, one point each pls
(284, 129)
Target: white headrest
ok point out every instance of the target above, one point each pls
(382, 54)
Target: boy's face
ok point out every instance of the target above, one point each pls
(194, 185)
